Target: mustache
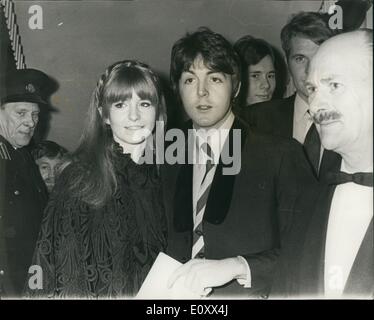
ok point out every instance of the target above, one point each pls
(323, 116)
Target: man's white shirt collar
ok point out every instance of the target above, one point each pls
(301, 109)
(215, 137)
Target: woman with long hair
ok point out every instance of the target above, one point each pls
(104, 224)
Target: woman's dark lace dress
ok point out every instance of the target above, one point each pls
(106, 252)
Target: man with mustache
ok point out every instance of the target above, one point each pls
(289, 117)
(329, 250)
(23, 194)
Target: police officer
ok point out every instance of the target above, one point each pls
(23, 194)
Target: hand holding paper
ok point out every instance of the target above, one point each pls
(155, 284)
(201, 275)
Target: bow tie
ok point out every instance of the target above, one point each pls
(362, 178)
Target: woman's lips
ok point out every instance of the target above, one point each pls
(134, 127)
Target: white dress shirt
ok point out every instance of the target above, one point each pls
(216, 139)
(350, 215)
(301, 119)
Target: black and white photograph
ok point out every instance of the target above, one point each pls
(191, 151)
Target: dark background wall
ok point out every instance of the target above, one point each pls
(80, 39)
(7, 63)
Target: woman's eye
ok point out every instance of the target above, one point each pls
(145, 104)
(119, 104)
(271, 75)
(255, 76)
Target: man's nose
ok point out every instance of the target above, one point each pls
(318, 102)
(30, 121)
(202, 90)
(133, 112)
(265, 83)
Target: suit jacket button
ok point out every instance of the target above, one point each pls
(261, 185)
(264, 296)
(2, 272)
(17, 193)
(201, 255)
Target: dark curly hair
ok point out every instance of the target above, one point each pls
(217, 53)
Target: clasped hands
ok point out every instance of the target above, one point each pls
(201, 275)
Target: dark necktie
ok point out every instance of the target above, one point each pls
(362, 178)
(312, 147)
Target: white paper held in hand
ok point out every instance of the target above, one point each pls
(155, 284)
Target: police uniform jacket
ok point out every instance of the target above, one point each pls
(23, 196)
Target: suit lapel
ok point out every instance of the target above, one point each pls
(331, 162)
(220, 194)
(288, 108)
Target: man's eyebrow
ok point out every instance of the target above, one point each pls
(23, 109)
(259, 72)
(209, 72)
(297, 55)
(332, 77)
(215, 71)
(189, 71)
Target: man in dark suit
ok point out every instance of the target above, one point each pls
(289, 117)
(329, 251)
(23, 194)
(227, 207)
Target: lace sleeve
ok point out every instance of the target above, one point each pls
(56, 249)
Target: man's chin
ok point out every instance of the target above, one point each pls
(21, 143)
(328, 142)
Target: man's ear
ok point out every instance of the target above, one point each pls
(100, 109)
(237, 89)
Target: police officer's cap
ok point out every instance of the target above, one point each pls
(23, 85)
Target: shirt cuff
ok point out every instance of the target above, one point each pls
(245, 281)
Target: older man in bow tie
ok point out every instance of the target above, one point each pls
(329, 251)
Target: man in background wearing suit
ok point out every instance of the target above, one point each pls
(329, 251)
(225, 227)
(289, 117)
(23, 194)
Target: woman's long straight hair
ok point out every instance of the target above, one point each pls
(96, 182)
